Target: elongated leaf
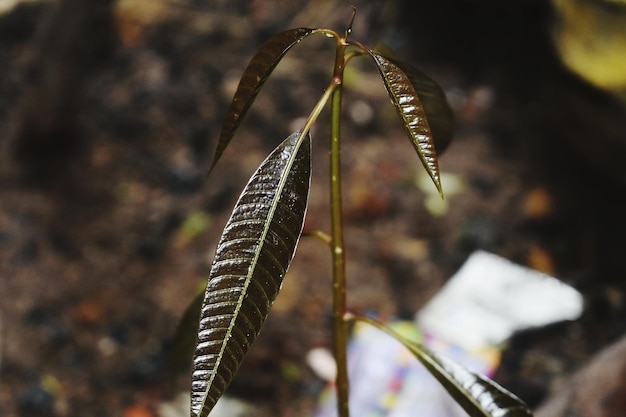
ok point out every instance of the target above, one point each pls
(184, 342)
(478, 395)
(407, 102)
(436, 107)
(251, 260)
(438, 112)
(254, 76)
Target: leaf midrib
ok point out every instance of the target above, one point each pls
(251, 268)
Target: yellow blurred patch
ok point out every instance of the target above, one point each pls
(590, 37)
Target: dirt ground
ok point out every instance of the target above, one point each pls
(108, 222)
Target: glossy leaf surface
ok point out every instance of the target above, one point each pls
(438, 112)
(436, 107)
(407, 103)
(254, 77)
(251, 260)
(476, 394)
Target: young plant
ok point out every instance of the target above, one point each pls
(259, 240)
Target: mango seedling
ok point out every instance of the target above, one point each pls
(260, 238)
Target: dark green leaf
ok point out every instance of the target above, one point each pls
(410, 108)
(251, 260)
(254, 76)
(478, 395)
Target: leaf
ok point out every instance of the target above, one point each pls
(254, 76)
(184, 340)
(436, 107)
(477, 395)
(438, 112)
(407, 102)
(252, 257)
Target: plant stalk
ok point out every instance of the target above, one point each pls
(340, 336)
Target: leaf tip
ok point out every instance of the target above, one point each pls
(210, 170)
(440, 190)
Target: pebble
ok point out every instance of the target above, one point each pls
(322, 363)
(361, 112)
(107, 346)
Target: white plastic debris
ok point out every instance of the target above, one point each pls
(490, 298)
(482, 305)
(387, 381)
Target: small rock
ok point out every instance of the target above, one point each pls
(107, 346)
(322, 362)
(361, 112)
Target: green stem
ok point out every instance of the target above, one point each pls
(340, 336)
(320, 235)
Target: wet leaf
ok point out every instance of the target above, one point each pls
(251, 260)
(407, 102)
(254, 76)
(438, 112)
(477, 395)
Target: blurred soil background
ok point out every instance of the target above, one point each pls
(109, 112)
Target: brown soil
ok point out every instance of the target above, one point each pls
(108, 222)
